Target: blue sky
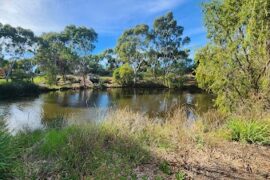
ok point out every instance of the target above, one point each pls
(108, 17)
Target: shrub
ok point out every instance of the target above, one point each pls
(180, 176)
(15, 89)
(173, 81)
(250, 131)
(123, 75)
(165, 168)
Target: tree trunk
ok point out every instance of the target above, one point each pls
(84, 81)
(135, 79)
(10, 70)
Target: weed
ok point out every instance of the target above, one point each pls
(165, 168)
(250, 131)
(180, 176)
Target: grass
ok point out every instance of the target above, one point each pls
(2, 81)
(250, 131)
(7, 154)
(40, 80)
(72, 152)
(114, 148)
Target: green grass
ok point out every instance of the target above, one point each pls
(7, 154)
(250, 131)
(40, 80)
(112, 149)
(2, 81)
(72, 152)
(180, 176)
(165, 168)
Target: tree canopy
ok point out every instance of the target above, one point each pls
(156, 51)
(234, 65)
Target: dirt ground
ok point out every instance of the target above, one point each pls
(224, 161)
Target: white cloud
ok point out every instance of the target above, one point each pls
(105, 16)
(30, 14)
(195, 31)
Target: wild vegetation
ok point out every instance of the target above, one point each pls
(235, 63)
(129, 145)
(231, 141)
(149, 53)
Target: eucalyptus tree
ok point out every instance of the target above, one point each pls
(167, 46)
(15, 43)
(235, 64)
(111, 59)
(81, 40)
(132, 48)
(54, 57)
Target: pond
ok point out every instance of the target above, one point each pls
(93, 105)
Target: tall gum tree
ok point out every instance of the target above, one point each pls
(132, 48)
(15, 43)
(167, 45)
(82, 41)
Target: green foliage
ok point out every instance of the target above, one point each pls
(123, 75)
(234, 64)
(18, 89)
(132, 48)
(7, 154)
(165, 168)
(53, 142)
(80, 39)
(112, 61)
(173, 81)
(180, 176)
(15, 43)
(55, 59)
(167, 53)
(250, 131)
(158, 50)
(92, 151)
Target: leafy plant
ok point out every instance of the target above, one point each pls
(165, 167)
(123, 75)
(180, 176)
(250, 131)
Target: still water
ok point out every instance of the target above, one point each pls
(93, 105)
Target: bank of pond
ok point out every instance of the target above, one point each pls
(129, 145)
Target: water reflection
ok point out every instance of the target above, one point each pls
(93, 105)
(24, 116)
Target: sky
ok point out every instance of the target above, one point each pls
(109, 18)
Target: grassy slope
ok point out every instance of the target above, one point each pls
(129, 145)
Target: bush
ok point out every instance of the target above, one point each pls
(123, 75)
(173, 81)
(15, 89)
(250, 131)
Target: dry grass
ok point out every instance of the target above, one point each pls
(130, 145)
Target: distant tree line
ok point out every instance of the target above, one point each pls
(141, 52)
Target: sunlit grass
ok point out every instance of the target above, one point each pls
(113, 148)
(40, 80)
(2, 81)
(251, 131)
